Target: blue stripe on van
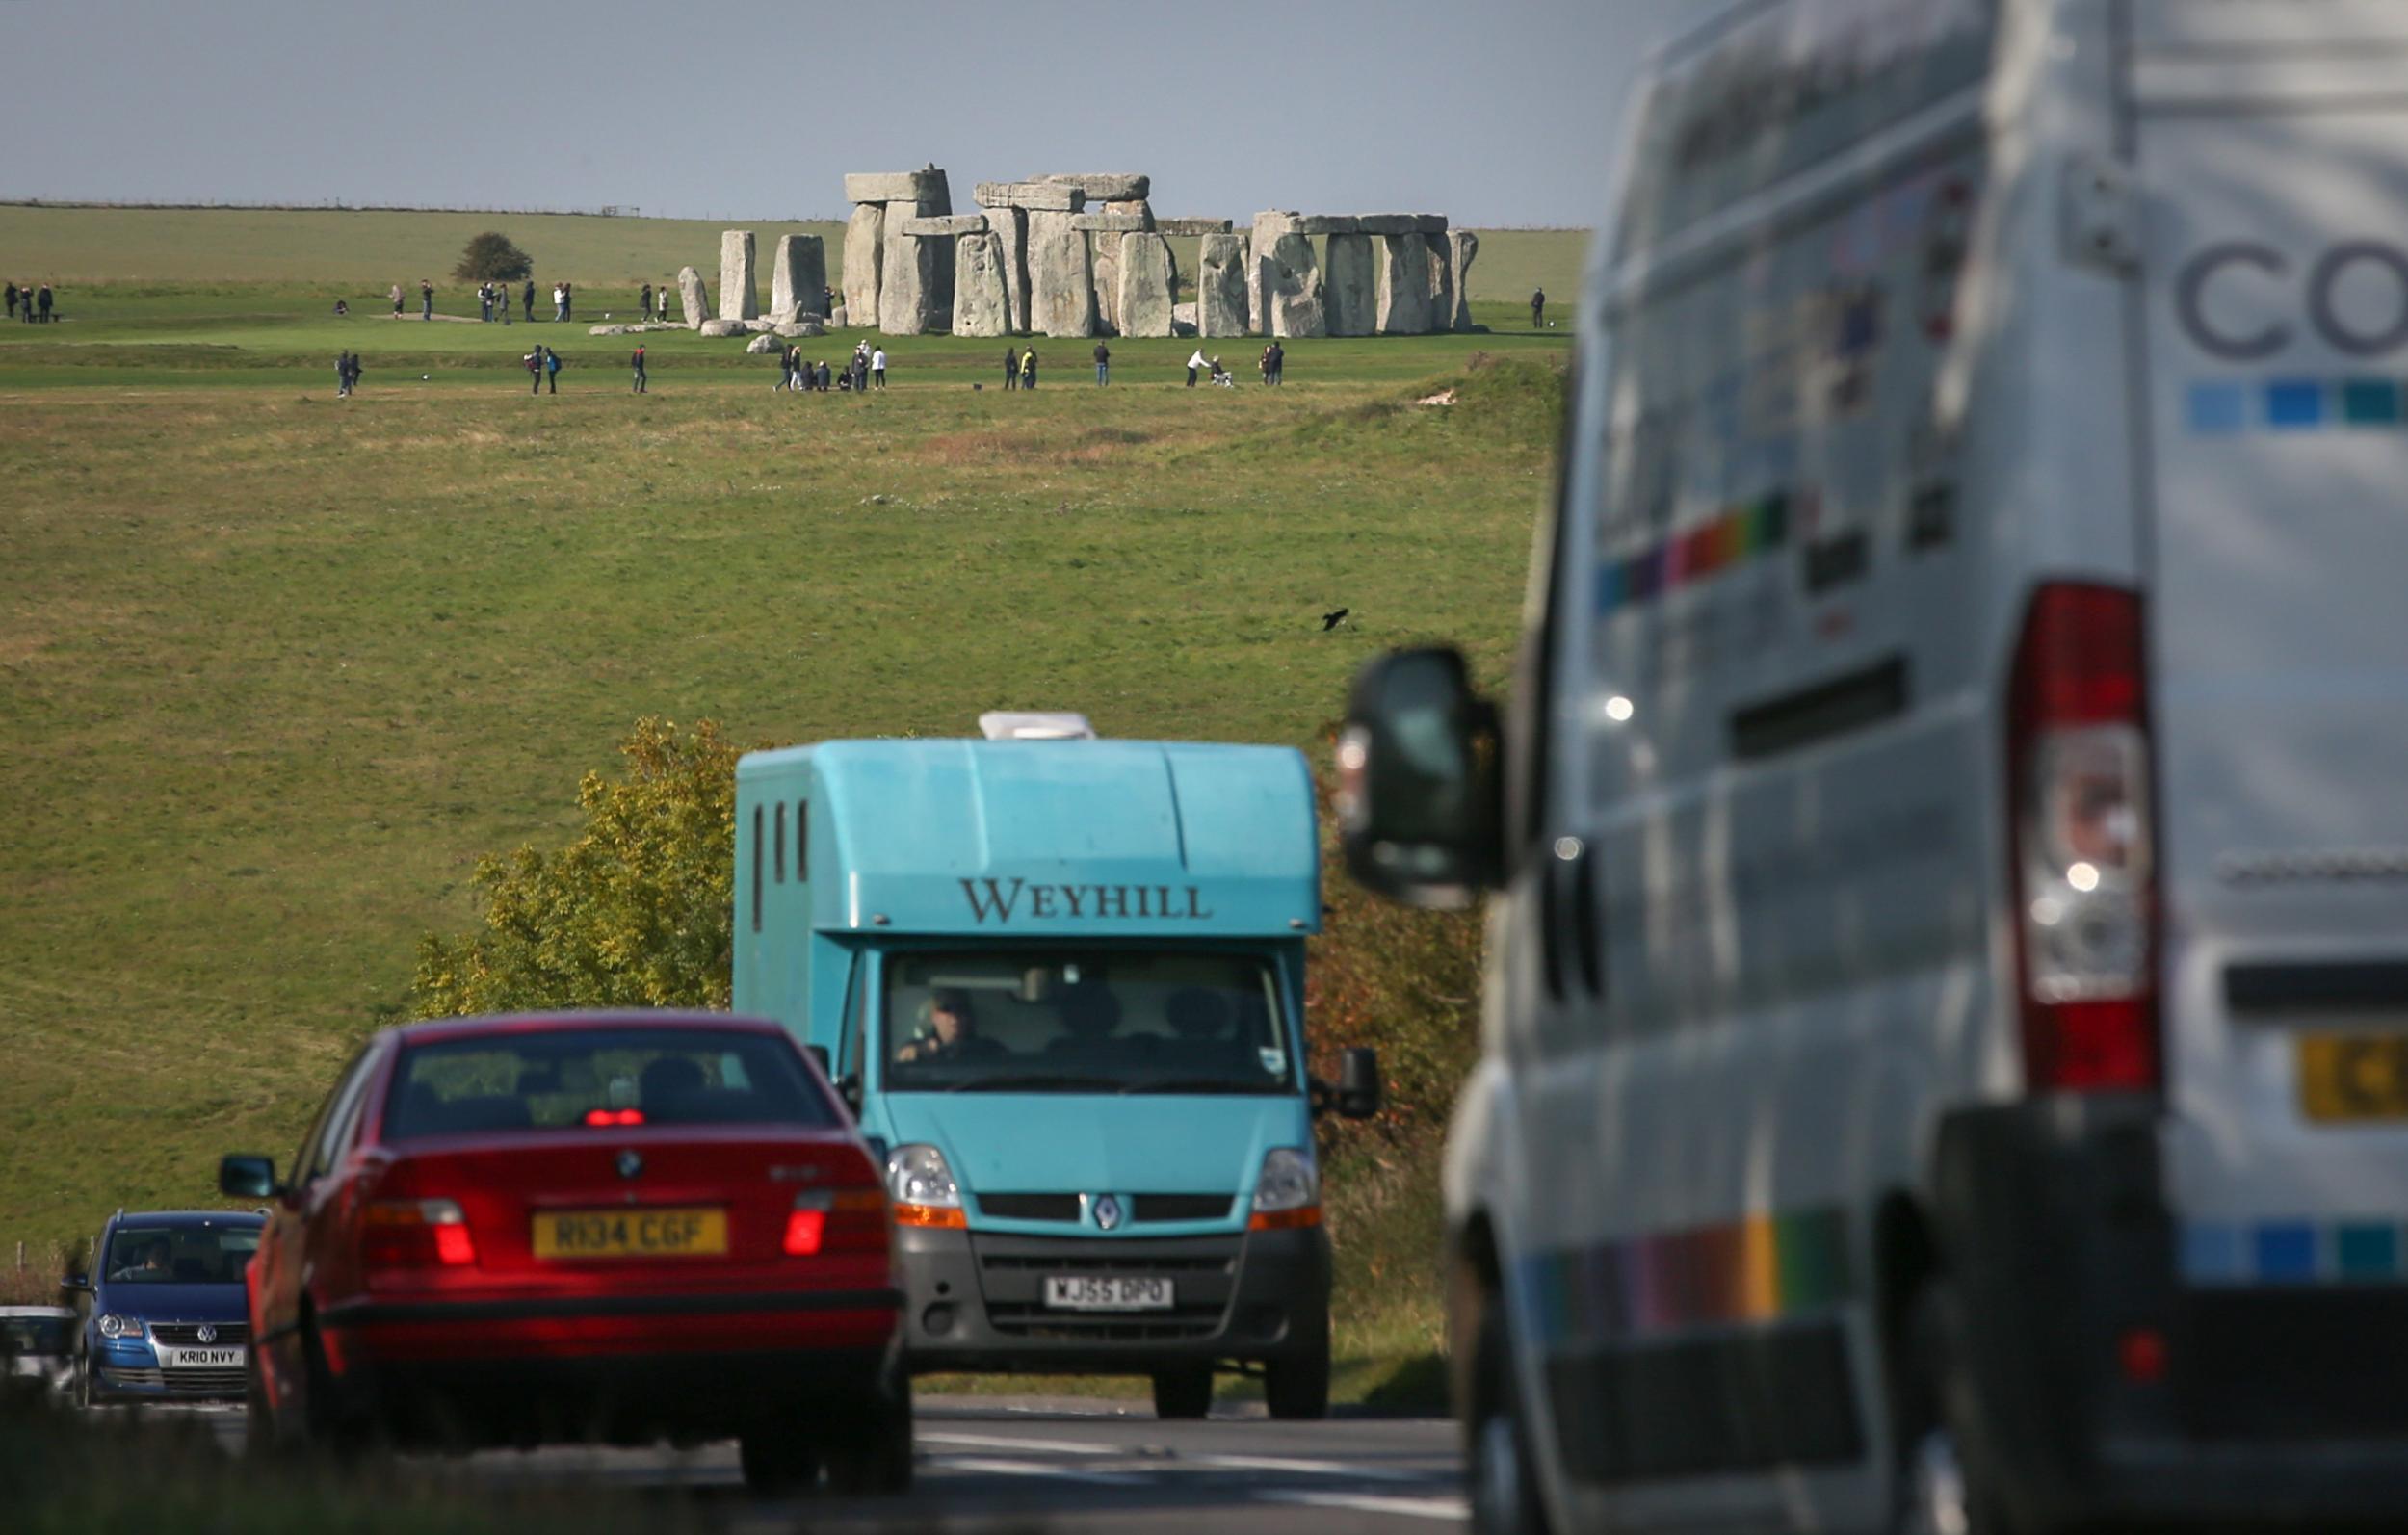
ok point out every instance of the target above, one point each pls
(2294, 1251)
(2226, 408)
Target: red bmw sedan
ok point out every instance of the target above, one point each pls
(615, 1228)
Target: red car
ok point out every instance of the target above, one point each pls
(617, 1227)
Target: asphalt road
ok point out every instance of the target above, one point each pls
(1012, 1463)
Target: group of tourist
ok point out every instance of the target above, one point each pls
(1020, 368)
(29, 303)
(346, 373)
(493, 298)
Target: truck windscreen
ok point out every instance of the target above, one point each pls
(1062, 1020)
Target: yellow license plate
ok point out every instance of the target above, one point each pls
(634, 1232)
(2349, 1078)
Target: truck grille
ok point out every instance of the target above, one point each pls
(1036, 1321)
(1142, 1208)
(187, 1333)
(1029, 1207)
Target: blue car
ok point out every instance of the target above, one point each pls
(164, 1316)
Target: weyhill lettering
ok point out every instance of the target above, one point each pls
(1001, 899)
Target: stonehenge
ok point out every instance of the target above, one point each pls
(1083, 255)
(798, 279)
(739, 297)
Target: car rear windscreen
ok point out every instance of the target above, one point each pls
(601, 1079)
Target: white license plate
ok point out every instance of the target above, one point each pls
(201, 1358)
(1118, 1292)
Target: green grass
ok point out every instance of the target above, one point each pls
(276, 669)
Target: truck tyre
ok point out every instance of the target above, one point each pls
(1296, 1386)
(1186, 1391)
(779, 1460)
(1935, 1491)
(1504, 1479)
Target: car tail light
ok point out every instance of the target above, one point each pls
(836, 1220)
(416, 1234)
(2081, 844)
(600, 1118)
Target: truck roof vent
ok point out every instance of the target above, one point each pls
(1003, 724)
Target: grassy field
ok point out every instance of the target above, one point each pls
(319, 253)
(276, 669)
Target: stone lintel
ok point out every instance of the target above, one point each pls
(1107, 186)
(946, 226)
(894, 186)
(1192, 227)
(1109, 223)
(1037, 197)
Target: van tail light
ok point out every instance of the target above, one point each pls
(836, 1220)
(2082, 842)
(415, 1234)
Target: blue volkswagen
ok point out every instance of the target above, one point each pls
(164, 1310)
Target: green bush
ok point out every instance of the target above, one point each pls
(637, 912)
(490, 257)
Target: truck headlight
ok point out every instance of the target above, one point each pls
(1289, 1192)
(923, 1189)
(113, 1325)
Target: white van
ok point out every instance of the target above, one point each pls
(1946, 1058)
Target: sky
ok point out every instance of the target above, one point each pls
(1492, 112)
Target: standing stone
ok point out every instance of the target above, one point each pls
(1353, 292)
(1148, 285)
(1011, 224)
(1062, 281)
(1268, 227)
(916, 288)
(690, 294)
(982, 286)
(1221, 287)
(740, 298)
(1462, 249)
(1127, 216)
(865, 261)
(1441, 282)
(1404, 285)
(798, 278)
(1291, 288)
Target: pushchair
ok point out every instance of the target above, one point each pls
(1220, 375)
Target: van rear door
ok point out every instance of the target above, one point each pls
(2272, 143)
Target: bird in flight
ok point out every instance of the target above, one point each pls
(1331, 620)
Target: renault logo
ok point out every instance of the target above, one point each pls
(630, 1163)
(1107, 1213)
(207, 1334)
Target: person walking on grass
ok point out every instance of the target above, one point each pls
(501, 301)
(560, 304)
(396, 293)
(1538, 306)
(44, 297)
(640, 379)
(533, 362)
(342, 375)
(568, 300)
(1012, 366)
(12, 300)
(1028, 369)
(1195, 364)
(644, 303)
(552, 367)
(1103, 365)
(877, 369)
(664, 294)
(425, 298)
(1276, 361)
(528, 298)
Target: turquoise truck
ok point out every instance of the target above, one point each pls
(1061, 983)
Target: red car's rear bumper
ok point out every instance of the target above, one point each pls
(378, 1333)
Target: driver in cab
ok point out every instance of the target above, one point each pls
(949, 1031)
(154, 1263)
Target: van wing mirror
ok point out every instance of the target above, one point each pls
(245, 1177)
(818, 1057)
(850, 1090)
(1418, 787)
(1359, 1082)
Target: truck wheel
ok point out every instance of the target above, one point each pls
(1297, 1386)
(1503, 1481)
(1183, 1392)
(779, 1460)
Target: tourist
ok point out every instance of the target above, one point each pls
(1275, 360)
(823, 375)
(641, 378)
(12, 300)
(568, 300)
(342, 309)
(559, 303)
(529, 299)
(426, 299)
(501, 301)
(533, 363)
(1195, 364)
(644, 303)
(1103, 365)
(42, 298)
(1262, 365)
(1028, 369)
(342, 374)
(1012, 366)
(552, 367)
(1220, 375)
(877, 367)
(827, 302)
(664, 298)
(397, 300)
(1538, 305)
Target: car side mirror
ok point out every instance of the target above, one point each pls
(76, 1283)
(244, 1176)
(1359, 1082)
(1418, 782)
(818, 1057)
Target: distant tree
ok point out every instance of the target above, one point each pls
(490, 257)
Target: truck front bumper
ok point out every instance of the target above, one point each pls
(976, 1300)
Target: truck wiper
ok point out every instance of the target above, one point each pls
(1197, 1084)
(1046, 1082)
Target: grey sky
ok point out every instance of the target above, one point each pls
(1498, 112)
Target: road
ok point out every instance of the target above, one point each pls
(1021, 1464)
